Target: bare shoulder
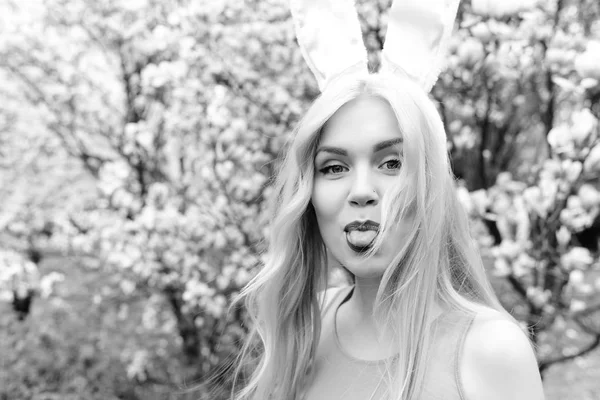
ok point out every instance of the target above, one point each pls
(498, 361)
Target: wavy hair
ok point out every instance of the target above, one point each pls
(283, 298)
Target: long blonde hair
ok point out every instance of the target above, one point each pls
(282, 299)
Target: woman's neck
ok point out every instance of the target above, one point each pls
(363, 299)
(357, 329)
(357, 326)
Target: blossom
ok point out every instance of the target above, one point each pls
(576, 305)
(538, 296)
(497, 8)
(589, 196)
(508, 249)
(48, 282)
(563, 236)
(584, 123)
(576, 277)
(480, 202)
(523, 264)
(592, 161)
(574, 216)
(501, 267)
(587, 64)
(470, 51)
(559, 139)
(571, 169)
(577, 258)
(465, 199)
(465, 138)
(482, 32)
(540, 199)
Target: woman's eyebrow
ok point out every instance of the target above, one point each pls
(377, 147)
(332, 150)
(386, 143)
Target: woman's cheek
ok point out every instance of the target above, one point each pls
(327, 200)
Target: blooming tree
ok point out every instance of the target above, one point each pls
(178, 112)
(524, 94)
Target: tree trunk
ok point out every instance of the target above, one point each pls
(191, 344)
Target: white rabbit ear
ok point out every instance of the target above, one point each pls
(417, 38)
(330, 38)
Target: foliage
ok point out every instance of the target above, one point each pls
(85, 341)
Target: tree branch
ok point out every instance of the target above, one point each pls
(583, 351)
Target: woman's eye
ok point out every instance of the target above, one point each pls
(332, 169)
(392, 164)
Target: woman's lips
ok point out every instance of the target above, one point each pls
(361, 234)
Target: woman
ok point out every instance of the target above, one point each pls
(366, 184)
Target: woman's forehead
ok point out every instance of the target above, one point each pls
(364, 121)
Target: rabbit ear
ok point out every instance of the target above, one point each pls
(416, 39)
(330, 38)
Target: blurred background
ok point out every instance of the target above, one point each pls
(137, 140)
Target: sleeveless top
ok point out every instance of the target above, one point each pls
(339, 376)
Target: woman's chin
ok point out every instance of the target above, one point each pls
(367, 269)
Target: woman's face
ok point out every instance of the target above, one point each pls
(358, 158)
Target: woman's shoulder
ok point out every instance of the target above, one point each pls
(498, 361)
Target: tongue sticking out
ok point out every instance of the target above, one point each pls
(361, 238)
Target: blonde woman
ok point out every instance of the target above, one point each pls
(366, 184)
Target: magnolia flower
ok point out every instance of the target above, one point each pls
(577, 305)
(572, 169)
(576, 277)
(538, 297)
(147, 218)
(587, 63)
(48, 282)
(540, 199)
(588, 83)
(576, 219)
(592, 162)
(508, 249)
(563, 236)
(501, 267)
(589, 196)
(113, 175)
(577, 258)
(137, 368)
(482, 32)
(464, 139)
(497, 8)
(533, 200)
(523, 264)
(583, 124)
(470, 51)
(502, 203)
(480, 201)
(559, 139)
(503, 179)
(465, 199)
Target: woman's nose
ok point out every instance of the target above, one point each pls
(363, 191)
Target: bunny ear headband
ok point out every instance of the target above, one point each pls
(330, 39)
